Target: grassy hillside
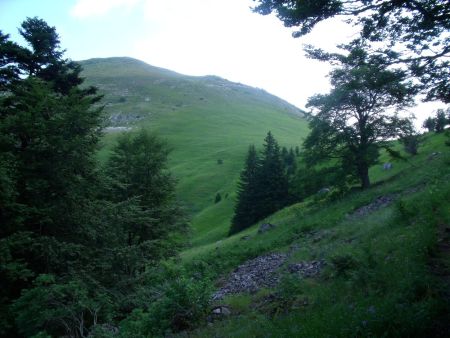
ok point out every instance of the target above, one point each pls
(204, 119)
(386, 269)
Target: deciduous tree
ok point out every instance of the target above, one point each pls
(415, 33)
(353, 121)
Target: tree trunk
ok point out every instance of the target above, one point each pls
(363, 172)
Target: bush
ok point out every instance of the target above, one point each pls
(181, 304)
(411, 144)
(343, 264)
(60, 308)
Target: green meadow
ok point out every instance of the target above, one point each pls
(208, 123)
(385, 271)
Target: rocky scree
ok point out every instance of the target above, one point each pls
(264, 271)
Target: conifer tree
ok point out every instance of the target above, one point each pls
(138, 169)
(245, 212)
(272, 187)
(441, 121)
(429, 123)
(49, 131)
(263, 186)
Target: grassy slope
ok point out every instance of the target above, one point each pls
(203, 119)
(379, 279)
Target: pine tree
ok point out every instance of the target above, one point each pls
(245, 212)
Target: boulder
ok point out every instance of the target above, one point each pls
(218, 312)
(221, 310)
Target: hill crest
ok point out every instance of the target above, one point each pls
(123, 78)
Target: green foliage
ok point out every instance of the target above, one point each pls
(263, 187)
(75, 240)
(197, 131)
(351, 123)
(344, 264)
(218, 198)
(49, 132)
(138, 171)
(180, 303)
(441, 120)
(272, 186)
(245, 212)
(60, 308)
(413, 27)
(411, 143)
(429, 123)
(383, 269)
(438, 122)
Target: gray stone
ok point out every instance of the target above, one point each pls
(323, 191)
(378, 203)
(265, 227)
(307, 269)
(221, 310)
(434, 155)
(387, 166)
(253, 275)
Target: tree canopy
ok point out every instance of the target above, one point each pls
(414, 33)
(75, 238)
(263, 185)
(353, 121)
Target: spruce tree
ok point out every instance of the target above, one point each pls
(272, 187)
(49, 132)
(245, 211)
(263, 186)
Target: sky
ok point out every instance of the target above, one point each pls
(193, 37)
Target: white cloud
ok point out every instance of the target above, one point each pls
(90, 8)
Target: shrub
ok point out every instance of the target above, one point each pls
(343, 264)
(182, 303)
(411, 144)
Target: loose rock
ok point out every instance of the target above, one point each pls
(378, 203)
(253, 275)
(307, 269)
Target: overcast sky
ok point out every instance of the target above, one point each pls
(193, 37)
